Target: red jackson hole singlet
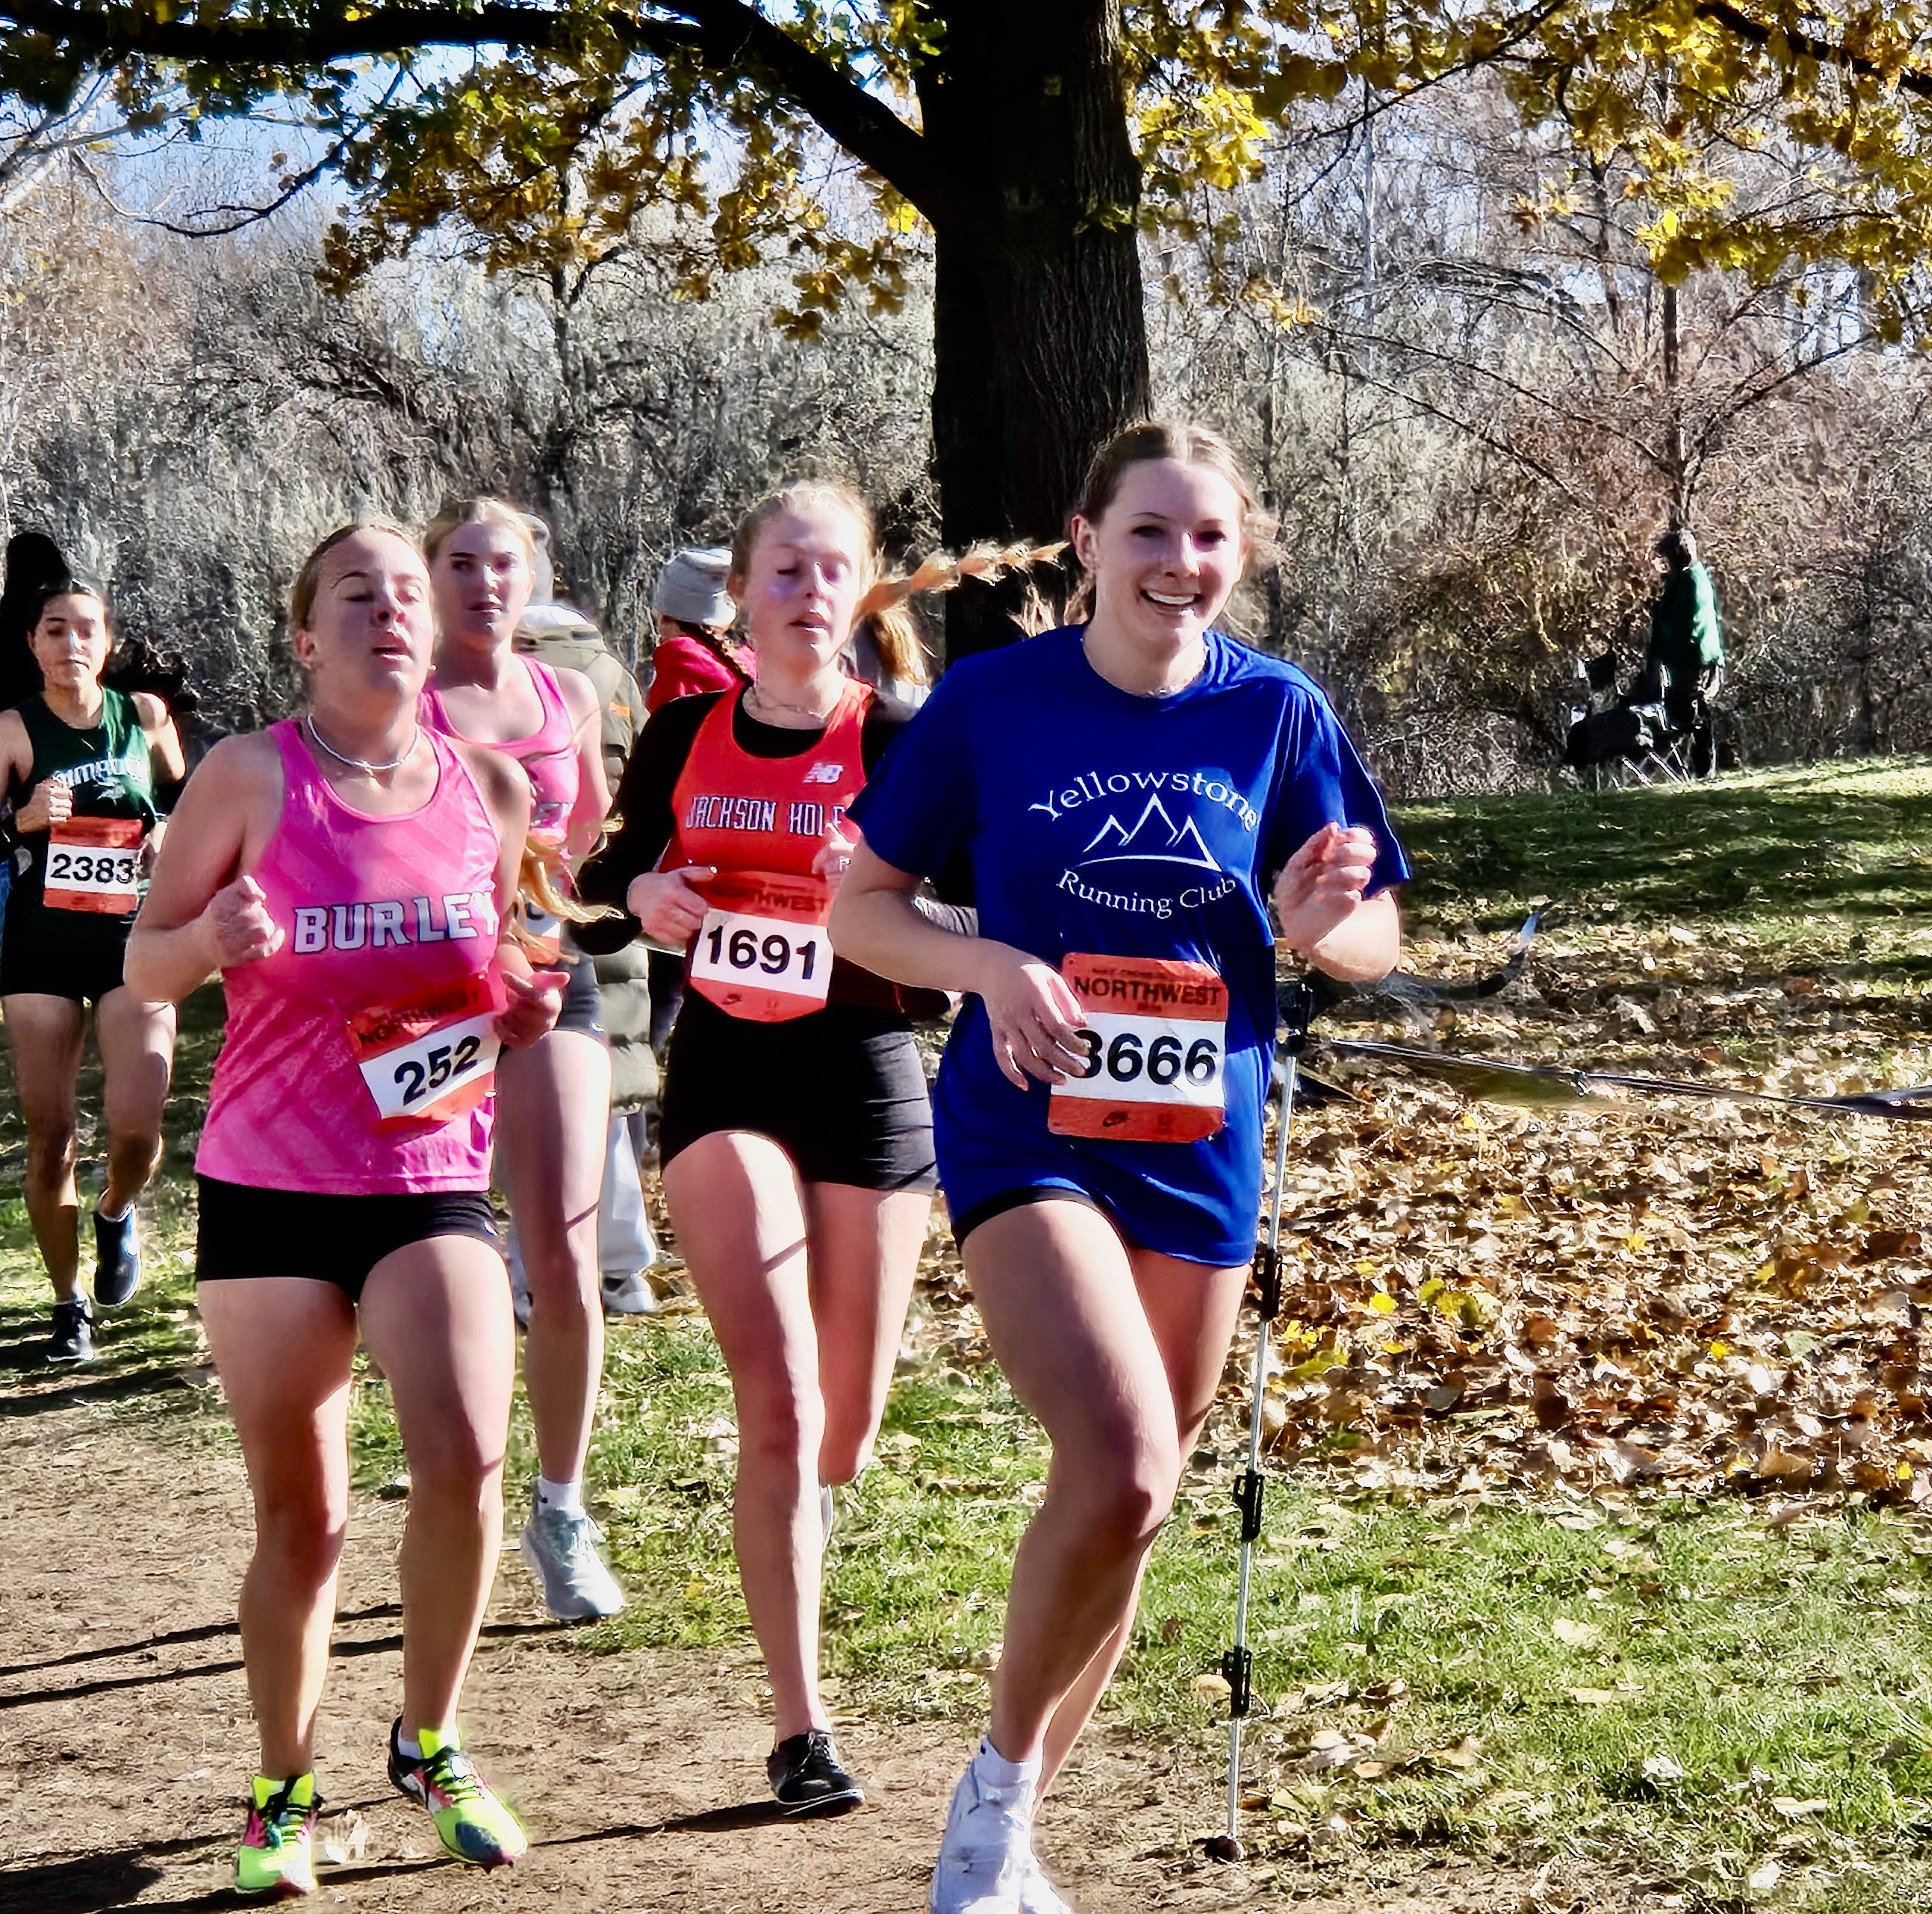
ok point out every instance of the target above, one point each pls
(358, 1059)
(762, 953)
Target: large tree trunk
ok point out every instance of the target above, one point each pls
(1039, 334)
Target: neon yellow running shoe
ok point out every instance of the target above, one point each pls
(275, 1857)
(470, 1821)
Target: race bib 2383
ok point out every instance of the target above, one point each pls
(94, 864)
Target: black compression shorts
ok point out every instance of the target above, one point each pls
(582, 1009)
(74, 954)
(244, 1232)
(841, 1091)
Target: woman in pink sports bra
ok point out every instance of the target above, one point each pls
(351, 875)
(553, 1104)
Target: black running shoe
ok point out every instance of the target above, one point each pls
(808, 1776)
(72, 1340)
(117, 1259)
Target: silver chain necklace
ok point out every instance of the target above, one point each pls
(361, 764)
(764, 697)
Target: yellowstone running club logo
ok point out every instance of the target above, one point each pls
(1140, 847)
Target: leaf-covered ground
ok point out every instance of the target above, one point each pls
(1695, 1293)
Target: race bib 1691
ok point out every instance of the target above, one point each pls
(763, 953)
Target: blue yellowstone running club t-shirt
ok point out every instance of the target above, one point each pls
(1101, 822)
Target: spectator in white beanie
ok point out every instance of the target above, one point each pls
(694, 652)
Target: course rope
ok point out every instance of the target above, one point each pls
(1502, 1080)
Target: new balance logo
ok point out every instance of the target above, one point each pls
(824, 772)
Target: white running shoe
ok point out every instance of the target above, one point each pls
(1037, 1894)
(562, 1551)
(828, 1510)
(628, 1295)
(985, 1854)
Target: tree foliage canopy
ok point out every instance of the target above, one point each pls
(541, 130)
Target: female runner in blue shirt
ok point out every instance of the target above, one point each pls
(1131, 792)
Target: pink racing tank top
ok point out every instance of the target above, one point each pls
(377, 912)
(548, 755)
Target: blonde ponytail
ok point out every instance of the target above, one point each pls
(537, 886)
(894, 633)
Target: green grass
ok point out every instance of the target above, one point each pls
(1748, 1692)
(151, 1362)
(1762, 852)
(1749, 1665)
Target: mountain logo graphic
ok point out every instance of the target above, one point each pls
(1154, 839)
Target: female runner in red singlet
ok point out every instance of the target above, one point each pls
(796, 1138)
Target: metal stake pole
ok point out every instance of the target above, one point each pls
(1237, 1664)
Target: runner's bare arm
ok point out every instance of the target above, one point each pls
(16, 753)
(1035, 1017)
(593, 790)
(201, 913)
(164, 744)
(534, 996)
(1324, 916)
(51, 801)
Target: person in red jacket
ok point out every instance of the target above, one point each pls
(694, 652)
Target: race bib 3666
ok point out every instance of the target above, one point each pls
(1156, 1038)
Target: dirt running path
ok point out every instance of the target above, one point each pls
(124, 1738)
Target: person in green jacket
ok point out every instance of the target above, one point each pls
(1683, 662)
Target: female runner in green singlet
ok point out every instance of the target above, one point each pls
(80, 762)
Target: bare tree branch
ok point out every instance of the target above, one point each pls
(726, 37)
(1813, 46)
(37, 148)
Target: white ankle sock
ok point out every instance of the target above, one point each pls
(565, 1498)
(994, 1767)
(112, 1216)
(409, 1749)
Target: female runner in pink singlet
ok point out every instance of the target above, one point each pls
(553, 1107)
(351, 875)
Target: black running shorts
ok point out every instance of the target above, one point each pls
(244, 1232)
(582, 1009)
(74, 954)
(841, 1091)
